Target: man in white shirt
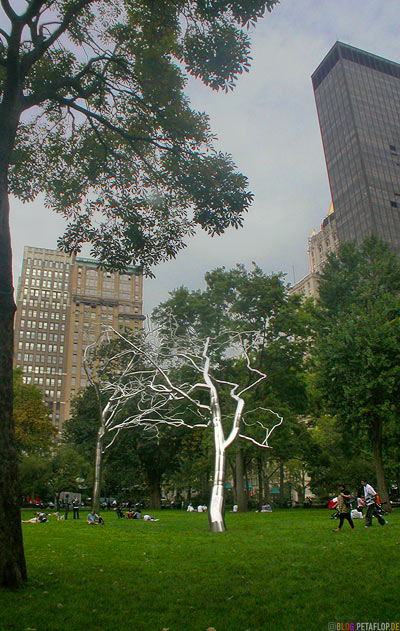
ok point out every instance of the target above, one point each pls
(369, 497)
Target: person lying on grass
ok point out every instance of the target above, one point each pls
(93, 519)
(39, 518)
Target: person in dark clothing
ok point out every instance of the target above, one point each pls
(66, 506)
(343, 507)
(75, 508)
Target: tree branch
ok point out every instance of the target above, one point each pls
(9, 11)
(5, 35)
(32, 10)
(32, 56)
(106, 123)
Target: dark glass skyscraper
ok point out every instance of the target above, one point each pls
(358, 103)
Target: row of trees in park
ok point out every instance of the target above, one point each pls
(331, 374)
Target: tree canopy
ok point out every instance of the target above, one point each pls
(95, 117)
(34, 431)
(249, 300)
(357, 343)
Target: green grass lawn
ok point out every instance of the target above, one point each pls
(286, 570)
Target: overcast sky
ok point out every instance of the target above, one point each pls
(269, 125)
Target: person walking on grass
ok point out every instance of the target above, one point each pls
(344, 507)
(370, 503)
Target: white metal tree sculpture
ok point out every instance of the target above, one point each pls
(160, 395)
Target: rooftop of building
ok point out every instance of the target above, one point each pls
(129, 269)
(344, 51)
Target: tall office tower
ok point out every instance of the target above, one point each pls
(358, 103)
(62, 304)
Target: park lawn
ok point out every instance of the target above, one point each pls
(286, 570)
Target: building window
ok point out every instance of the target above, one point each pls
(394, 204)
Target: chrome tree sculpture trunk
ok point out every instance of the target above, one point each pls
(215, 513)
(97, 469)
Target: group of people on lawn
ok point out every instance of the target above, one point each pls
(367, 497)
(200, 509)
(41, 518)
(135, 513)
(92, 518)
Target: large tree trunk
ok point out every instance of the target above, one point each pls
(376, 440)
(241, 494)
(12, 561)
(154, 480)
(267, 478)
(281, 484)
(206, 484)
(247, 484)
(260, 476)
(233, 472)
(267, 496)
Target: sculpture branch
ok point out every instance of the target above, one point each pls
(268, 432)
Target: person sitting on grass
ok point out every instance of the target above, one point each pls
(356, 513)
(93, 519)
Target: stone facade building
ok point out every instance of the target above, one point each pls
(62, 303)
